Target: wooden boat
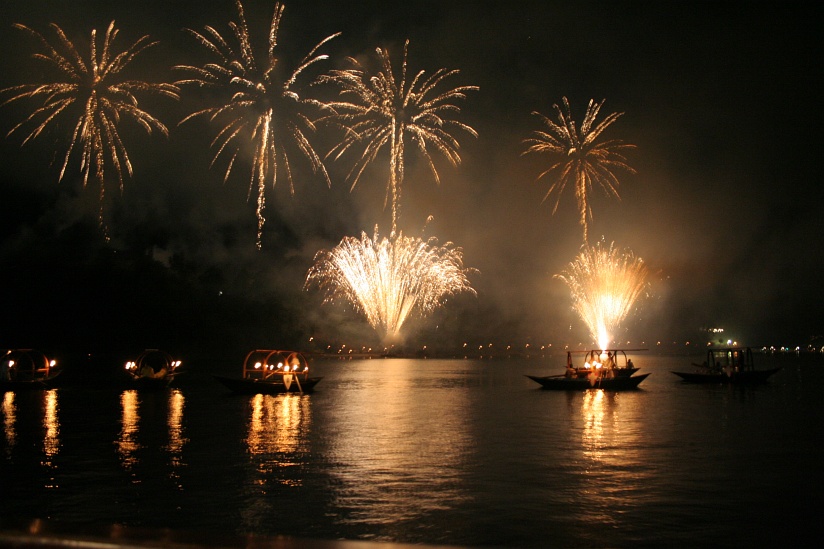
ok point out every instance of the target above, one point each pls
(728, 365)
(26, 369)
(271, 372)
(608, 369)
(562, 382)
(152, 369)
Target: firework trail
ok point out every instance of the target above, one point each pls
(391, 278)
(383, 109)
(581, 159)
(263, 105)
(93, 95)
(605, 284)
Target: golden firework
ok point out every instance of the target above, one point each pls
(605, 283)
(380, 110)
(263, 105)
(93, 94)
(581, 159)
(387, 279)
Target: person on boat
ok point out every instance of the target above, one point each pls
(609, 363)
(629, 363)
(147, 371)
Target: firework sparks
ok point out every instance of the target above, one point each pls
(263, 108)
(582, 159)
(384, 109)
(605, 284)
(94, 96)
(391, 278)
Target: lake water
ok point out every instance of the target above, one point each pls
(459, 452)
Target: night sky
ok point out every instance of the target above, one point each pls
(721, 99)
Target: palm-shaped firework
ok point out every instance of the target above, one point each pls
(263, 106)
(381, 109)
(389, 279)
(93, 95)
(582, 159)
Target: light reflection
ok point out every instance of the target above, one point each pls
(277, 442)
(9, 418)
(137, 429)
(277, 429)
(127, 443)
(612, 442)
(177, 440)
(51, 426)
(400, 451)
(50, 423)
(594, 411)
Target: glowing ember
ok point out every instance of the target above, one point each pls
(389, 279)
(582, 160)
(386, 109)
(93, 95)
(605, 284)
(263, 105)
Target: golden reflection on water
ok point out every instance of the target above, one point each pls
(277, 442)
(278, 426)
(129, 439)
(612, 443)
(127, 443)
(9, 417)
(51, 426)
(175, 422)
(400, 450)
(177, 440)
(594, 414)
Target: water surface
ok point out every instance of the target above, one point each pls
(464, 452)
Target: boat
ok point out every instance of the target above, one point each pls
(152, 369)
(271, 372)
(608, 369)
(26, 369)
(731, 365)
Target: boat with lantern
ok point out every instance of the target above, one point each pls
(26, 369)
(152, 369)
(272, 371)
(608, 369)
(733, 365)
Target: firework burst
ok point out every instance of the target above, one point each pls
(389, 279)
(380, 110)
(264, 107)
(581, 159)
(605, 284)
(93, 94)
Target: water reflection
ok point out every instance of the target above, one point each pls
(595, 411)
(138, 433)
(400, 443)
(612, 444)
(45, 403)
(9, 418)
(51, 426)
(127, 443)
(278, 429)
(277, 442)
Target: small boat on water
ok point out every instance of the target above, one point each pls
(152, 369)
(271, 372)
(728, 365)
(26, 369)
(609, 369)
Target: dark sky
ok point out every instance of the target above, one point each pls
(721, 99)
